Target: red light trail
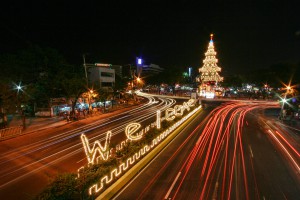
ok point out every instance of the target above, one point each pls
(236, 152)
(220, 154)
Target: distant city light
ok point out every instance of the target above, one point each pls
(139, 61)
(210, 95)
(190, 71)
(103, 65)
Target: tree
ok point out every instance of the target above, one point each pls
(7, 103)
(233, 81)
(73, 85)
(120, 84)
(209, 70)
(275, 75)
(104, 95)
(46, 74)
(168, 76)
(38, 67)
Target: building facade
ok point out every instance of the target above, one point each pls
(101, 75)
(149, 70)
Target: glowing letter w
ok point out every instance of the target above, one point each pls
(97, 147)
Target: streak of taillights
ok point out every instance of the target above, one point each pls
(286, 142)
(172, 158)
(285, 150)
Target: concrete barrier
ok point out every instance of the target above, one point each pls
(10, 132)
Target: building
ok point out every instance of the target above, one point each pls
(127, 71)
(118, 70)
(101, 75)
(151, 69)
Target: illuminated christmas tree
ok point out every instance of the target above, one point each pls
(209, 76)
(209, 70)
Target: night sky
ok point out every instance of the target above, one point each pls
(250, 34)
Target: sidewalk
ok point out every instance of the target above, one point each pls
(35, 124)
(292, 124)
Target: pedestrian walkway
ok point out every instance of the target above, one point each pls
(292, 123)
(36, 124)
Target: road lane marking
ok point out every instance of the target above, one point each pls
(80, 160)
(215, 191)
(173, 184)
(252, 156)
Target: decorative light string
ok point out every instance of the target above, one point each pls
(133, 159)
(133, 133)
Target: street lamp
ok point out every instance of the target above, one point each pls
(284, 101)
(139, 82)
(283, 111)
(19, 88)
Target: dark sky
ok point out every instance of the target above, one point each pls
(249, 34)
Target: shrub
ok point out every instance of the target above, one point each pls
(62, 187)
(69, 186)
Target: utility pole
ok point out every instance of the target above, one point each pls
(84, 65)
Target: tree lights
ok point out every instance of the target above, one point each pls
(209, 70)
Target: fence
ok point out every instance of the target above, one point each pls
(43, 112)
(10, 132)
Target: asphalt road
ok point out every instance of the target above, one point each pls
(233, 152)
(28, 162)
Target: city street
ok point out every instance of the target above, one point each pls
(236, 151)
(153, 100)
(29, 162)
(232, 152)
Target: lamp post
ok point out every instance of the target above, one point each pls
(289, 90)
(90, 96)
(283, 111)
(85, 70)
(19, 89)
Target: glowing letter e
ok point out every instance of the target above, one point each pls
(158, 119)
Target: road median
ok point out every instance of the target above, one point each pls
(121, 182)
